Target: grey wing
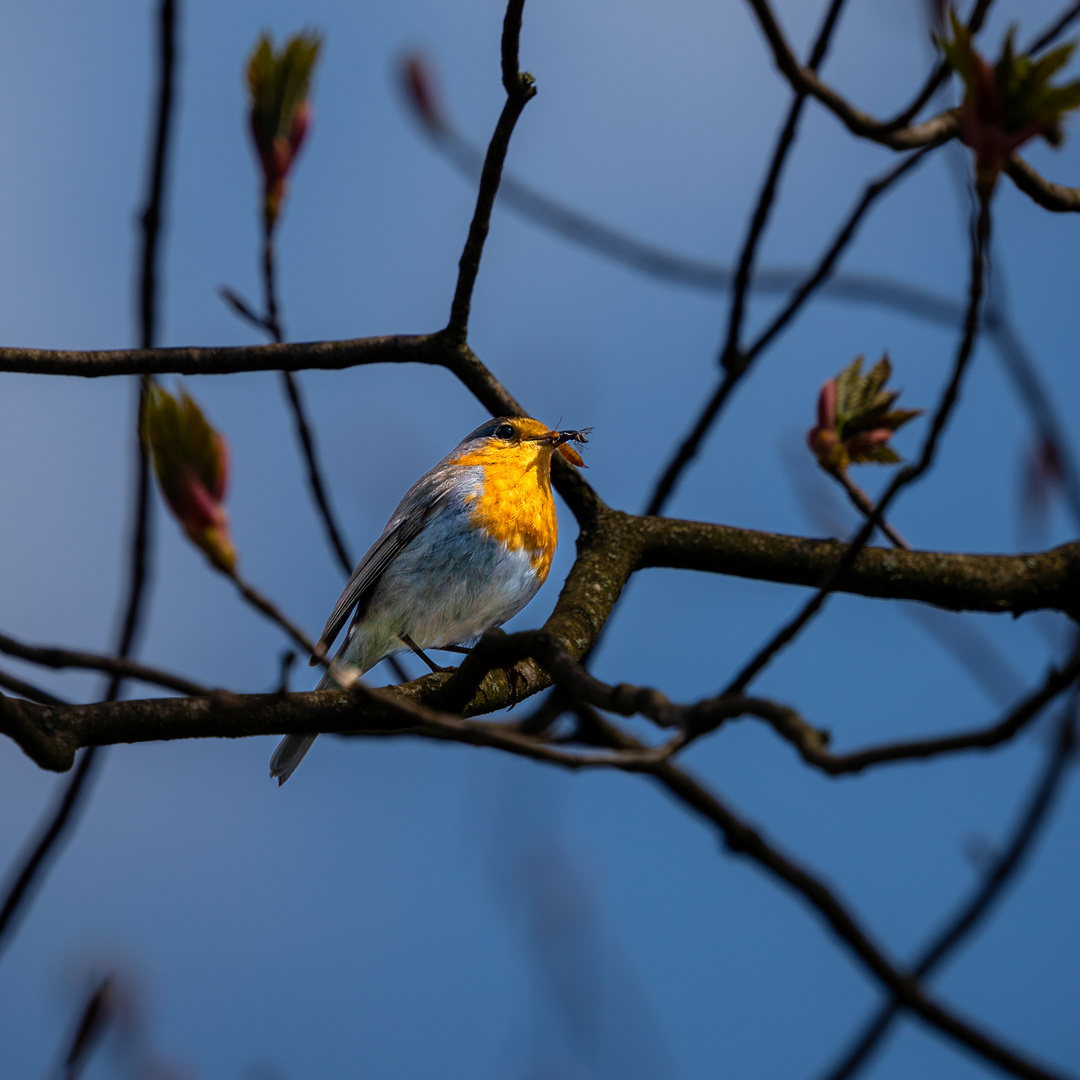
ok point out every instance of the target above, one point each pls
(412, 513)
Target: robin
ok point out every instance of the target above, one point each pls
(466, 549)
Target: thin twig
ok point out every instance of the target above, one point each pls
(155, 196)
(940, 73)
(315, 480)
(824, 268)
(1004, 868)
(28, 690)
(903, 477)
(65, 811)
(270, 324)
(736, 369)
(1056, 682)
(94, 1019)
(741, 839)
(745, 267)
(69, 805)
(1058, 198)
(865, 505)
(60, 659)
(910, 137)
(268, 608)
(1055, 29)
(520, 88)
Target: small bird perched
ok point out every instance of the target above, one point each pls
(466, 549)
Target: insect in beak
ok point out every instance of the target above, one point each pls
(561, 439)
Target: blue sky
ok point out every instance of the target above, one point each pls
(404, 910)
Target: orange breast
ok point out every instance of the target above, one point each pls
(516, 506)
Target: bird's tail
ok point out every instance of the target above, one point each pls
(291, 750)
(289, 753)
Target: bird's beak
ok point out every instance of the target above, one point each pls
(559, 441)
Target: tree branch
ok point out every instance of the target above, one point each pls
(980, 234)
(1050, 196)
(970, 914)
(520, 88)
(938, 129)
(737, 364)
(67, 810)
(941, 72)
(741, 839)
(760, 217)
(61, 659)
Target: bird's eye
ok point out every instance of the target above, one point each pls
(504, 431)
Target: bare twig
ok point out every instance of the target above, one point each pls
(67, 810)
(973, 910)
(865, 505)
(741, 839)
(1055, 29)
(304, 433)
(270, 324)
(94, 1019)
(1057, 681)
(28, 690)
(903, 477)
(47, 846)
(51, 657)
(745, 270)
(155, 196)
(1050, 196)
(940, 73)
(315, 480)
(736, 366)
(520, 88)
(937, 129)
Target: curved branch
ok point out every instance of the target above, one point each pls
(737, 363)
(60, 659)
(1031, 820)
(767, 194)
(520, 89)
(804, 80)
(611, 547)
(742, 839)
(1055, 683)
(1050, 196)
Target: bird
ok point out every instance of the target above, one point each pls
(466, 549)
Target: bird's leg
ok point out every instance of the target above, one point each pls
(423, 655)
(514, 675)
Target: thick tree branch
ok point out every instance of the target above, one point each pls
(956, 582)
(610, 548)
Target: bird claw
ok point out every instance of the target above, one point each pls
(517, 678)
